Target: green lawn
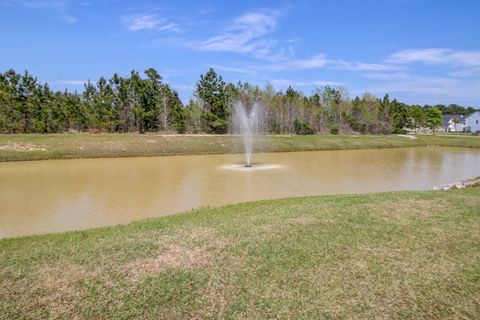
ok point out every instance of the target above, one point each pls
(67, 146)
(402, 255)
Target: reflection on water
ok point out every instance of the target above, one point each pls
(59, 195)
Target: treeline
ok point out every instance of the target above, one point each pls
(144, 103)
(120, 104)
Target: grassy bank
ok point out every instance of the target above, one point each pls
(407, 255)
(69, 146)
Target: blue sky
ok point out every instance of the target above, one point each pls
(419, 51)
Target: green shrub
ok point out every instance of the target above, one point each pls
(303, 128)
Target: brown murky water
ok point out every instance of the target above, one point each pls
(59, 195)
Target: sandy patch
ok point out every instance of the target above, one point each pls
(22, 147)
(407, 136)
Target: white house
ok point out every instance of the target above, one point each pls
(472, 122)
(453, 123)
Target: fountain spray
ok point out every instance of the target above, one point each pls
(247, 122)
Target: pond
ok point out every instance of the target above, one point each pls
(59, 195)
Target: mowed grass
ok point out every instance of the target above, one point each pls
(401, 255)
(69, 146)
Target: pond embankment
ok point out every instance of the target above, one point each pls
(72, 146)
(400, 255)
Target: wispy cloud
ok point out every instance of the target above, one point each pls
(183, 88)
(247, 34)
(315, 62)
(466, 72)
(284, 83)
(318, 61)
(277, 63)
(60, 7)
(360, 66)
(328, 83)
(149, 21)
(245, 70)
(432, 56)
(253, 33)
(432, 89)
(71, 82)
(436, 56)
(387, 75)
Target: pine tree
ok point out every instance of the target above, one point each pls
(211, 89)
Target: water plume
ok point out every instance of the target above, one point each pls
(247, 123)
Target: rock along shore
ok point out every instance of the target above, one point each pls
(459, 184)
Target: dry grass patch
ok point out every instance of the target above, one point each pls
(175, 256)
(380, 282)
(216, 302)
(54, 290)
(190, 248)
(403, 211)
(303, 220)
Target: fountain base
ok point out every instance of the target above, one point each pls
(251, 167)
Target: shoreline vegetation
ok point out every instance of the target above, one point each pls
(143, 102)
(24, 147)
(395, 255)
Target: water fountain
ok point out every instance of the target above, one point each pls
(247, 123)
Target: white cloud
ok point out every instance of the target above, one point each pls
(151, 21)
(436, 56)
(59, 6)
(247, 34)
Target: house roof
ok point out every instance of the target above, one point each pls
(446, 119)
(476, 111)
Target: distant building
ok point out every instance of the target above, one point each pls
(453, 123)
(472, 122)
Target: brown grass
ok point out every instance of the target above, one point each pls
(303, 220)
(175, 256)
